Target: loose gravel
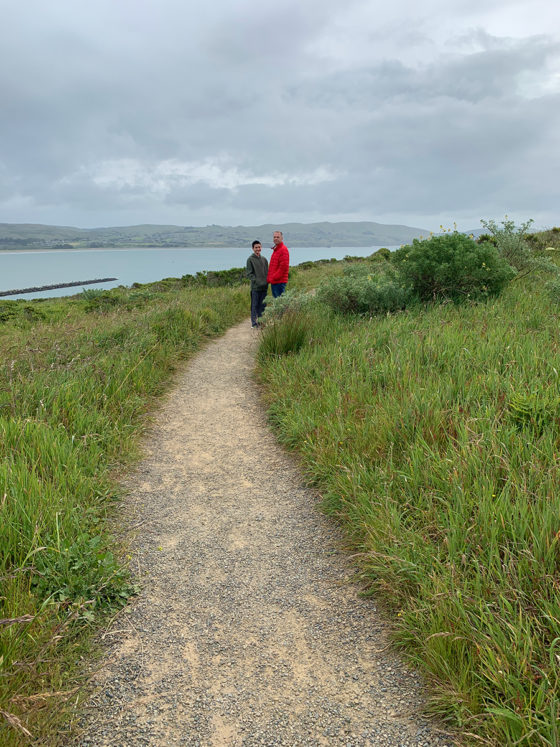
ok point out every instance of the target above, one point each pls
(247, 630)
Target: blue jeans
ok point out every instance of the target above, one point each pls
(257, 305)
(277, 289)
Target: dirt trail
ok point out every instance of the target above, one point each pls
(246, 631)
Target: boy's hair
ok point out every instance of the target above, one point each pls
(256, 241)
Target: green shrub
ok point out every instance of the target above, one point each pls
(452, 266)
(8, 311)
(15, 310)
(290, 301)
(521, 250)
(364, 293)
(381, 254)
(510, 241)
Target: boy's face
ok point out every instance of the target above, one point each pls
(257, 249)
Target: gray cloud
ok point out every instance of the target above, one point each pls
(120, 113)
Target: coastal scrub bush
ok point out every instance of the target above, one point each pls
(14, 310)
(381, 254)
(364, 293)
(290, 301)
(7, 311)
(510, 241)
(452, 266)
(517, 246)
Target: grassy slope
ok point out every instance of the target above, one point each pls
(75, 386)
(434, 437)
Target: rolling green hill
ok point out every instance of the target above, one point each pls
(365, 233)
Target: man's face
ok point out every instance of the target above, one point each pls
(277, 237)
(257, 249)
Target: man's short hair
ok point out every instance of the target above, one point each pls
(256, 241)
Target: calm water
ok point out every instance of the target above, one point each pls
(26, 269)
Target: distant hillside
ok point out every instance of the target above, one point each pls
(37, 236)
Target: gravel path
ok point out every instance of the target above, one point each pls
(246, 631)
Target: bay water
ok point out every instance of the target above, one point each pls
(34, 268)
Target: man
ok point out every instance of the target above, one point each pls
(257, 270)
(279, 265)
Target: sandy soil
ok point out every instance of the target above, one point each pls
(247, 630)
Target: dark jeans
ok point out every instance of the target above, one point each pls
(277, 289)
(257, 305)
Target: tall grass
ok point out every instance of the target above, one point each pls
(77, 378)
(434, 438)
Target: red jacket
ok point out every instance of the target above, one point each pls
(279, 265)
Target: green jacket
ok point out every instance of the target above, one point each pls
(257, 270)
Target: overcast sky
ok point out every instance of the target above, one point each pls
(117, 112)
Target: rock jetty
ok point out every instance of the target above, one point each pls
(56, 285)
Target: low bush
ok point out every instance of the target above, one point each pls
(21, 312)
(452, 266)
(364, 293)
(381, 254)
(523, 251)
(510, 241)
(290, 301)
